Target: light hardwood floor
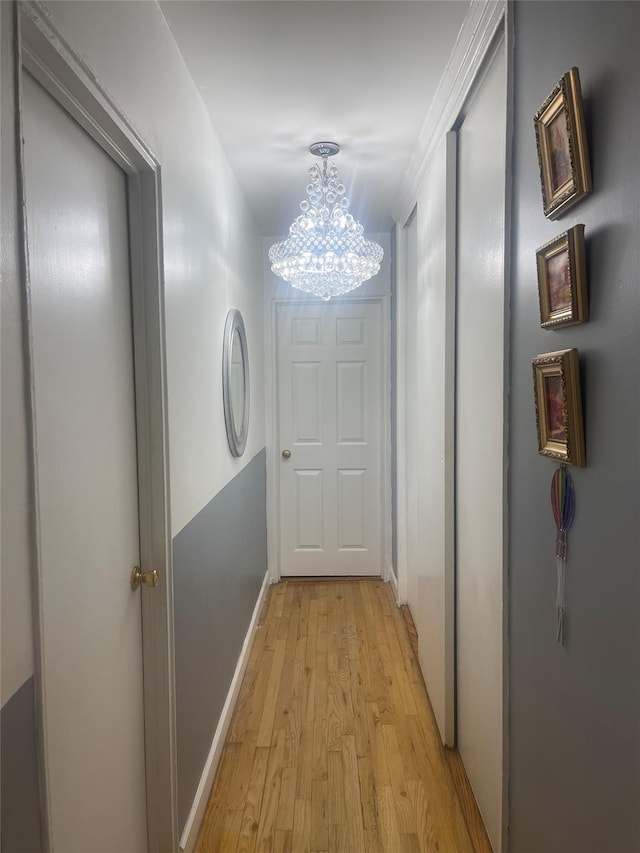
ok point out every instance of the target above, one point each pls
(333, 745)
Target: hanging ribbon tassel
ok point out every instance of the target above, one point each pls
(560, 564)
(563, 504)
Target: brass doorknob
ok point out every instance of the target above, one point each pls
(146, 578)
(286, 454)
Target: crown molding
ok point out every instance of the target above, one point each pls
(475, 38)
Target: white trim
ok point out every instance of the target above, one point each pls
(53, 62)
(271, 422)
(271, 435)
(474, 39)
(393, 582)
(509, 36)
(386, 531)
(401, 339)
(450, 441)
(189, 835)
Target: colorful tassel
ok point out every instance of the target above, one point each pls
(563, 504)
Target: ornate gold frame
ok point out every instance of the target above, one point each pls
(570, 243)
(565, 100)
(570, 447)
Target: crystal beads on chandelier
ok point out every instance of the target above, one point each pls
(326, 253)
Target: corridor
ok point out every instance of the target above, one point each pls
(333, 745)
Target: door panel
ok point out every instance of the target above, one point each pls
(310, 504)
(85, 443)
(351, 399)
(480, 452)
(306, 401)
(351, 509)
(330, 417)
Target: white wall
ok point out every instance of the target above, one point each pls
(212, 259)
(406, 411)
(211, 246)
(424, 336)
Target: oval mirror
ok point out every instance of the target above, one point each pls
(235, 382)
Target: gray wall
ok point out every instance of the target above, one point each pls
(219, 563)
(575, 711)
(21, 828)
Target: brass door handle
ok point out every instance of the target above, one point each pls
(147, 578)
(286, 454)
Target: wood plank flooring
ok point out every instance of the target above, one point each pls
(333, 746)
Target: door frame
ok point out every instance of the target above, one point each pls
(44, 53)
(272, 432)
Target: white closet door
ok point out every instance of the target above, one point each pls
(85, 441)
(480, 449)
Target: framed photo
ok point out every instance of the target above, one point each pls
(562, 280)
(563, 154)
(556, 380)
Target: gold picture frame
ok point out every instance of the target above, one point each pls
(561, 140)
(562, 280)
(556, 381)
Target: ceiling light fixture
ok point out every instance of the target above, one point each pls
(326, 253)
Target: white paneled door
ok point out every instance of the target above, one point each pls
(86, 488)
(330, 430)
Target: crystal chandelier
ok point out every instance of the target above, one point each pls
(325, 253)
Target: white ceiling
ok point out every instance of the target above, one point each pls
(277, 76)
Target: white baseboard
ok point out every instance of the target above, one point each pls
(192, 826)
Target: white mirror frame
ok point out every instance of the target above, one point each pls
(236, 433)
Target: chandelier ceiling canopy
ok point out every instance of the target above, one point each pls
(326, 253)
